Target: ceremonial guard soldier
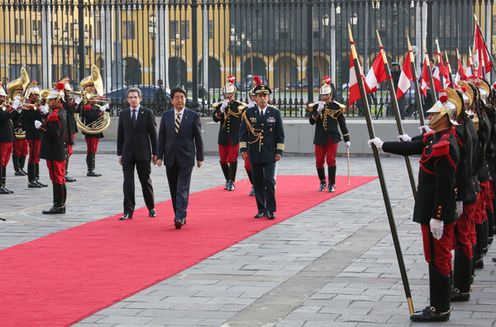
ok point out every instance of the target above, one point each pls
(21, 148)
(435, 204)
(32, 110)
(53, 149)
(70, 104)
(326, 115)
(228, 113)
(7, 137)
(262, 141)
(91, 112)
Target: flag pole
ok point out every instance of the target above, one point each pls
(485, 44)
(418, 99)
(387, 202)
(396, 110)
(431, 80)
(449, 69)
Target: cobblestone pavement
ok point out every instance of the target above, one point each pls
(332, 265)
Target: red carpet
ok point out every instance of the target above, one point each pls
(64, 277)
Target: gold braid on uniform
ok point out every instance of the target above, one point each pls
(258, 133)
(231, 113)
(333, 113)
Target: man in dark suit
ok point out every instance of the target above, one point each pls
(136, 146)
(179, 139)
(262, 141)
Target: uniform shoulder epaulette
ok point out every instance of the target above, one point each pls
(241, 105)
(341, 106)
(272, 107)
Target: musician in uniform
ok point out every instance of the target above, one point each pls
(53, 149)
(92, 112)
(70, 104)
(435, 203)
(228, 113)
(7, 137)
(21, 148)
(326, 115)
(262, 141)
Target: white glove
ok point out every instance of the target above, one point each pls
(77, 100)
(251, 104)
(104, 107)
(404, 138)
(37, 124)
(376, 141)
(224, 105)
(44, 109)
(459, 207)
(320, 107)
(437, 226)
(425, 129)
(348, 144)
(16, 103)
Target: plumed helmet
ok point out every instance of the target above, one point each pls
(229, 87)
(449, 104)
(325, 87)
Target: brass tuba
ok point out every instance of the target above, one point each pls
(102, 123)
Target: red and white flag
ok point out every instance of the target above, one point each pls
(469, 71)
(424, 79)
(405, 77)
(439, 73)
(377, 74)
(482, 59)
(353, 88)
(461, 75)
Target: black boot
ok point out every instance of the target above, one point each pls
(37, 175)
(15, 163)
(225, 171)
(250, 177)
(64, 195)
(58, 195)
(439, 289)
(232, 175)
(31, 177)
(461, 277)
(486, 236)
(90, 163)
(68, 178)
(3, 179)
(322, 179)
(332, 178)
(22, 161)
(479, 247)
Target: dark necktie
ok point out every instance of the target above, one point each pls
(178, 122)
(133, 117)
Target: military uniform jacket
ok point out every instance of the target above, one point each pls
(436, 191)
(27, 118)
(230, 121)
(71, 108)
(54, 137)
(6, 127)
(262, 137)
(483, 133)
(464, 176)
(90, 113)
(326, 123)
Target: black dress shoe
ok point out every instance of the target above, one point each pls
(178, 223)
(479, 264)
(331, 188)
(459, 296)
(33, 184)
(91, 173)
(260, 215)
(322, 186)
(430, 314)
(54, 210)
(152, 213)
(271, 215)
(69, 179)
(18, 173)
(126, 216)
(40, 183)
(252, 191)
(494, 259)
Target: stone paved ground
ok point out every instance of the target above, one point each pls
(333, 265)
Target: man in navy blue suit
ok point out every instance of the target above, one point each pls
(179, 139)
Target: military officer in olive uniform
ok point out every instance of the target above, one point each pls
(228, 113)
(435, 203)
(326, 115)
(262, 141)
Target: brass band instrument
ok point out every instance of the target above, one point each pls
(103, 122)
